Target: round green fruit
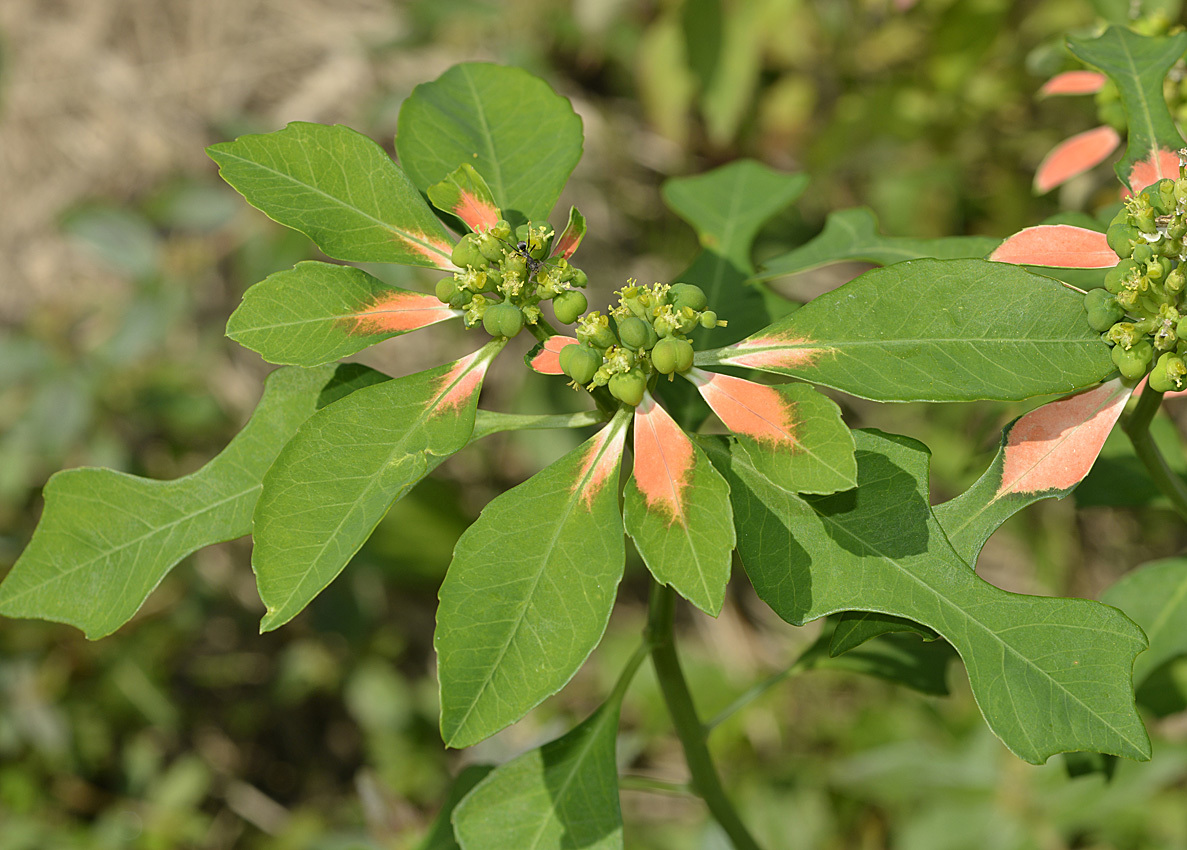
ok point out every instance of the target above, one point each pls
(1103, 309)
(1122, 238)
(446, 288)
(628, 387)
(569, 306)
(635, 333)
(467, 253)
(1133, 362)
(503, 319)
(686, 295)
(580, 362)
(672, 355)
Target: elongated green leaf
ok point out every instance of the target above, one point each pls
(856, 627)
(1050, 675)
(522, 137)
(934, 330)
(338, 188)
(530, 589)
(726, 207)
(1043, 455)
(677, 510)
(562, 795)
(904, 659)
(107, 539)
(1155, 596)
(440, 835)
(316, 313)
(337, 478)
(464, 194)
(1137, 65)
(794, 431)
(853, 235)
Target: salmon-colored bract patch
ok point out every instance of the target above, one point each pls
(664, 460)
(1074, 82)
(1055, 446)
(772, 352)
(1074, 156)
(1060, 245)
(1161, 163)
(547, 360)
(601, 461)
(401, 312)
(437, 251)
(748, 409)
(478, 215)
(462, 381)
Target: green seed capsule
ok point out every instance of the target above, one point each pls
(708, 319)
(1142, 253)
(1168, 373)
(1103, 310)
(1122, 238)
(1133, 362)
(467, 253)
(446, 288)
(1115, 277)
(503, 319)
(686, 295)
(628, 387)
(672, 355)
(569, 306)
(580, 362)
(579, 279)
(635, 333)
(490, 247)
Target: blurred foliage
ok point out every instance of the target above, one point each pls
(188, 729)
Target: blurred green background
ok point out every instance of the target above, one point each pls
(123, 255)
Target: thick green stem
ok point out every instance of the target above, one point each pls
(705, 781)
(489, 422)
(1137, 427)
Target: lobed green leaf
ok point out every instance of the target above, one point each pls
(106, 539)
(1155, 596)
(1050, 675)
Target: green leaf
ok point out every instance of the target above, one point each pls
(1043, 455)
(522, 137)
(1155, 596)
(530, 589)
(106, 539)
(1138, 65)
(440, 836)
(338, 188)
(1050, 675)
(316, 313)
(726, 207)
(904, 659)
(677, 510)
(561, 795)
(934, 330)
(856, 627)
(464, 194)
(346, 467)
(853, 235)
(794, 431)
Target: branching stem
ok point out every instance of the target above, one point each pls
(1136, 425)
(705, 781)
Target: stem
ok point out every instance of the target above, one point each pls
(805, 662)
(705, 781)
(488, 422)
(541, 330)
(1137, 427)
(630, 782)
